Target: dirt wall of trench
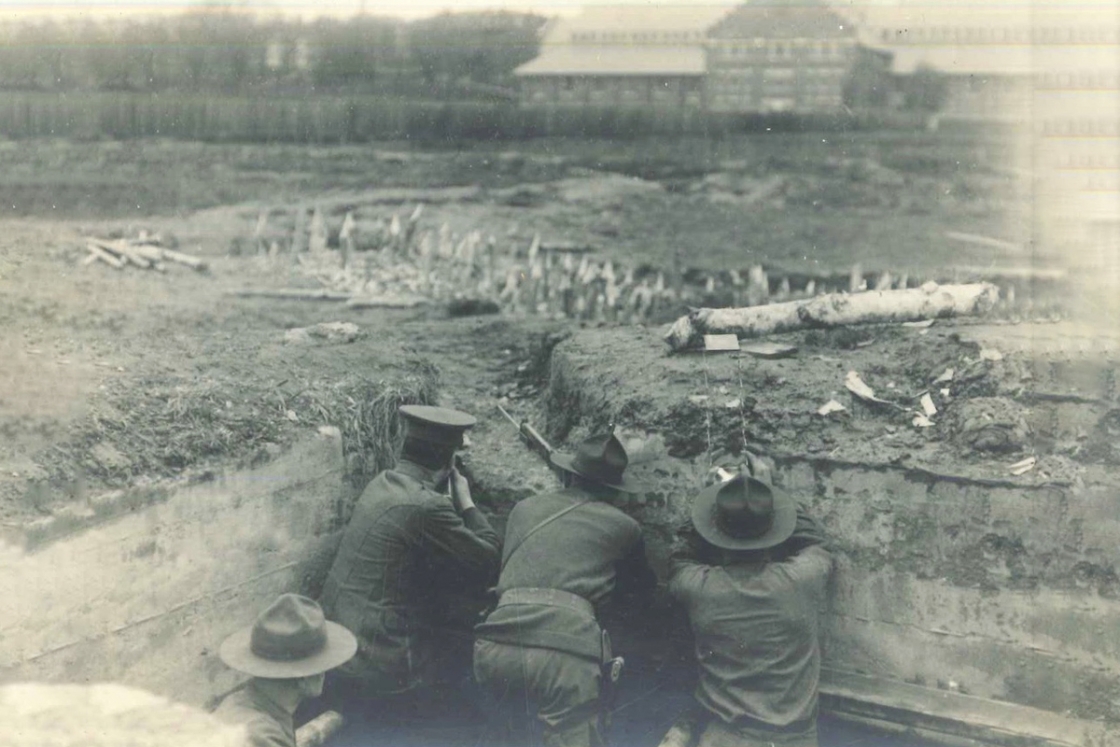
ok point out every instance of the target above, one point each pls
(142, 592)
(951, 572)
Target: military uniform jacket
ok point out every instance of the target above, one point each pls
(756, 627)
(266, 722)
(588, 551)
(378, 583)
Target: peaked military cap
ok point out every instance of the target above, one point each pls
(438, 425)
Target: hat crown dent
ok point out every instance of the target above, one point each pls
(602, 455)
(291, 628)
(744, 512)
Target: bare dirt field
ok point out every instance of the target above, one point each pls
(110, 376)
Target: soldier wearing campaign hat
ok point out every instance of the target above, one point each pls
(751, 569)
(287, 652)
(412, 516)
(542, 654)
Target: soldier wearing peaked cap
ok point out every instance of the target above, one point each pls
(540, 653)
(751, 571)
(382, 580)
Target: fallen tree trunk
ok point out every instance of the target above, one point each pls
(837, 309)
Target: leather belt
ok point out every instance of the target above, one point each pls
(548, 597)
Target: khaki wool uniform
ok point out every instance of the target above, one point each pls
(266, 722)
(756, 627)
(381, 576)
(538, 653)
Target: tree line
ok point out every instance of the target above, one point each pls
(230, 51)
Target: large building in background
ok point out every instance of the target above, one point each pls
(779, 56)
(622, 55)
(760, 56)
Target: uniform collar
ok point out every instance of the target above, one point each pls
(422, 475)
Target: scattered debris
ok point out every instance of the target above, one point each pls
(1024, 466)
(698, 399)
(927, 405)
(733, 404)
(921, 421)
(990, 354)
(769, 350)
(861, 390)
(945, 377)
(720, 343)
(830, 407)
(923, 324)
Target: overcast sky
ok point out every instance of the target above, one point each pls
(312, 8)
(422, 8)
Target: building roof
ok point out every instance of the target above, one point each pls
(632, 60)
(640, 18)
(789, 19)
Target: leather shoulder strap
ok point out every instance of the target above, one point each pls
(540, 525)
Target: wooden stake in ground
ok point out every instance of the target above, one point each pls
(346, 237)
(931, 301)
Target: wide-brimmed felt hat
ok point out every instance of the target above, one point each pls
(601, 458)
(744, 513)
(438, 425)
(290, 639)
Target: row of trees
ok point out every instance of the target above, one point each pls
(450, 56)
(232, 51)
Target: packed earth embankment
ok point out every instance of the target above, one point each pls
(956, 568)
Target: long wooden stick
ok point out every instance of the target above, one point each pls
(302, 294)
(931, 301)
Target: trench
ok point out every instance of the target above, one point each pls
(955, 580)
(950, 584)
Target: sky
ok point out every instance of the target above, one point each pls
(310, 8)
(411, 9)
(306, 8)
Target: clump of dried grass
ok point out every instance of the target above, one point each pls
(365, 410)
(159, 431)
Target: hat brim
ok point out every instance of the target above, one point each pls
(704, 519)
(566, 462)
(340, 648)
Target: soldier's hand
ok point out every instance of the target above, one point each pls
(460, 491)
(759, 468)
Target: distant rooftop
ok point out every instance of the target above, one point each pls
(617, 60)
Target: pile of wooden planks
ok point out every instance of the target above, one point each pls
(142, 253)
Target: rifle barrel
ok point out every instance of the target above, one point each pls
(509, 417)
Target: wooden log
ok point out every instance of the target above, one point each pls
(388, 301)
(185, 259)
(122, 250)
(318, 730)
(977, 240)
(109, 259)
(298, 294)
(889, 306)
